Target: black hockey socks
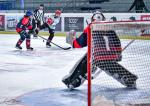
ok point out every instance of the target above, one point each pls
(49, 40)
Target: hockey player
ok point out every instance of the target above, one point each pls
(51, 23)
(108, 61)
(38, 19)
(22, 27)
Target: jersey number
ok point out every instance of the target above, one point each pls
(106, 43)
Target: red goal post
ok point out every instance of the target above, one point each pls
(122, 28)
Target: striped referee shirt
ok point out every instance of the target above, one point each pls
(39, 15)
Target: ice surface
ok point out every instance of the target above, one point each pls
(34, 77)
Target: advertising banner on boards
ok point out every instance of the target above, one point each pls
(11, 22)
(2, 22)
(74, 23)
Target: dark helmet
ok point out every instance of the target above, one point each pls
(29, 13)
(42, 5)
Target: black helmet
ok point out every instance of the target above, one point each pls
(42, 5)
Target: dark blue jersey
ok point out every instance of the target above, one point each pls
(23, 24)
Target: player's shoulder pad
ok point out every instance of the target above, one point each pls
(25, 20)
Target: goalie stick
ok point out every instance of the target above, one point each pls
(128, 44)
(55, 43)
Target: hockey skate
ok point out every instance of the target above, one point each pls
(130, 81)
(29, 48)
(35, 36)
(72, 83)
(18, 47)
(120, 73)
(77, 75)
(48, 45)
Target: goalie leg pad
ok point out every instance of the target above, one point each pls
(119, 73)
(77, 75)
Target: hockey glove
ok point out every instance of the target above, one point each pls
(50, 21)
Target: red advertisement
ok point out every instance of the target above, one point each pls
(2, 22)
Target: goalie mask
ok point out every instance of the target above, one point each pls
(98, 16)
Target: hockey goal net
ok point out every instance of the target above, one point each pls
(118, 63)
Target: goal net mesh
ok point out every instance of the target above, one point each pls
(118, 63)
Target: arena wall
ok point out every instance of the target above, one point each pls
(76, 21)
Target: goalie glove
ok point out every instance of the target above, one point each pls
(71, 35)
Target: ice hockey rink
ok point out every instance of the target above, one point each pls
(33, 78)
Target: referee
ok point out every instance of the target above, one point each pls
(38, 19)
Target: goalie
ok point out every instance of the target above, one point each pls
(108, 62)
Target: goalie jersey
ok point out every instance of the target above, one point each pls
(107, 45)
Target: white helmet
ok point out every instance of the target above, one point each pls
(98, 16)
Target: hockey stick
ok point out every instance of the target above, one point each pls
(87, 22)
(128, 45)
(54, 43)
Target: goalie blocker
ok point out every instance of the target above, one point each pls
(105, 58)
